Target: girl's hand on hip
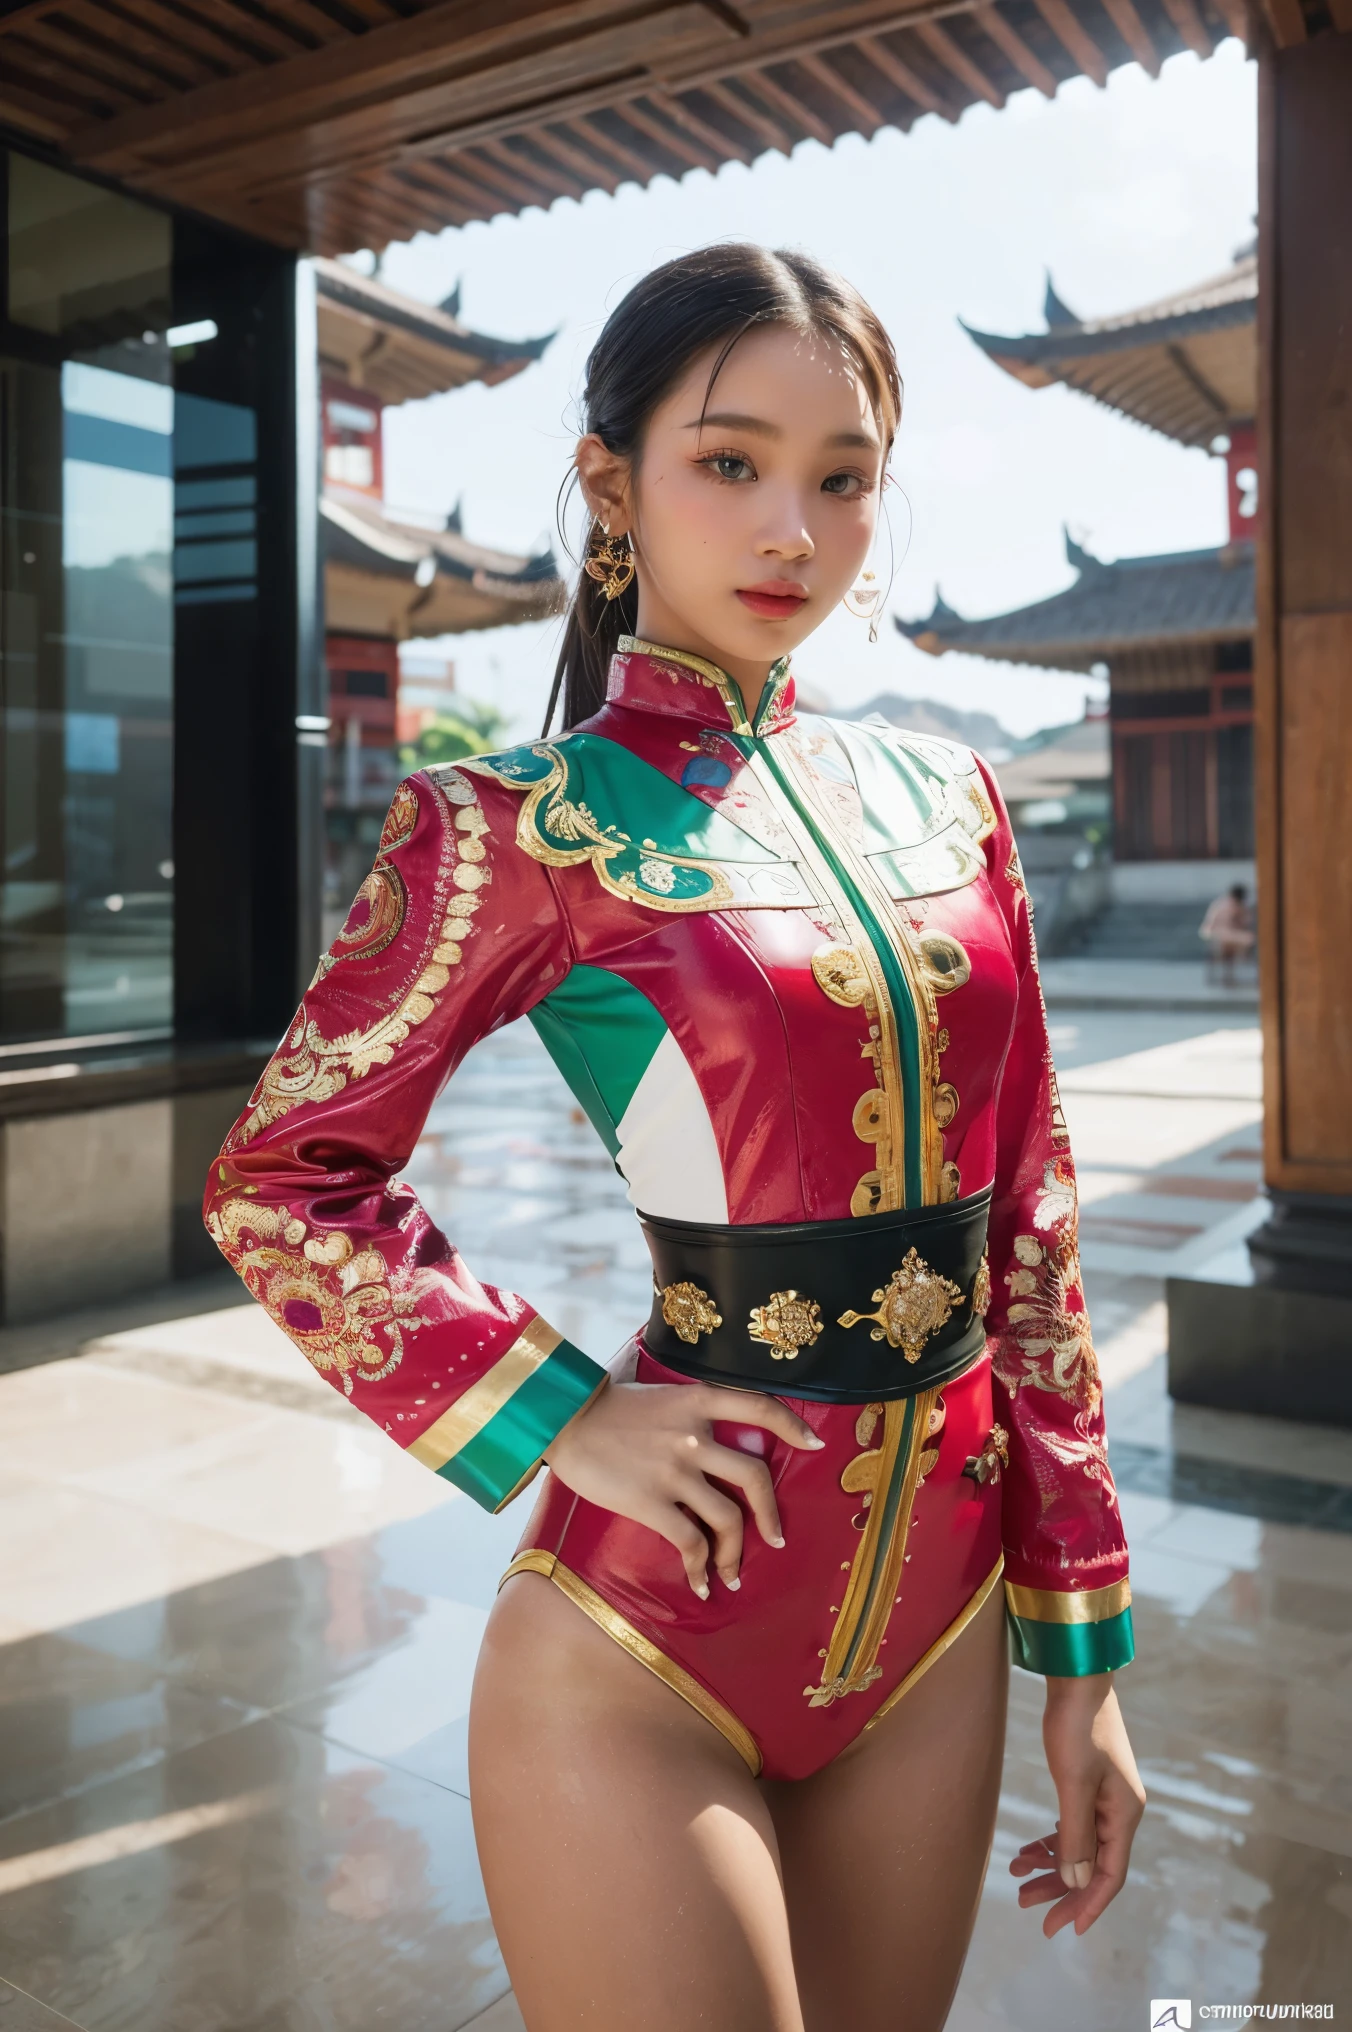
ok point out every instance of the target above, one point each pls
(647, 1452)
(1101, 1797)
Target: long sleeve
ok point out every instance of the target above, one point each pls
(454, 932)
(1066, 1585)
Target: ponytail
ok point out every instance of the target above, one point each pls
(673, 315)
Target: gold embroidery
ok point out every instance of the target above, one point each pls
(787, 1323)
(888, 1477)
(945, 1103)
(946, 963)
(400, 819)
(689, 1311)
(950, 1183)
(470, 1413)
(1049, 1346)
(912, 1306)
(981, 1289)
(344, 1311)
(309, 1067)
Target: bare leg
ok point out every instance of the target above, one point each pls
(885, 1851)
(630, 1859)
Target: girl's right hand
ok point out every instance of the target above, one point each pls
(647, 1452)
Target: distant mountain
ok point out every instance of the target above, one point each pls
(930, 716)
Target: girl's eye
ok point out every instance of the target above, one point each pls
(845, 485)
(730, 466)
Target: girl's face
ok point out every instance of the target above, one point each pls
(750, 521)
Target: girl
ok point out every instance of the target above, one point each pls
(738, 1723)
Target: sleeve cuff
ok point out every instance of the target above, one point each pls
(492, 1440)
(1069, 1635)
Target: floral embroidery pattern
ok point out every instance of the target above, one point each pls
(345, 1308)
(1049, 1345)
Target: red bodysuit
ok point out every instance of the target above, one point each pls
(787, 967)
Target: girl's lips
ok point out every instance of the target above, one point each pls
(775, 605)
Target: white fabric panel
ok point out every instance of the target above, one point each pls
(667, 1150)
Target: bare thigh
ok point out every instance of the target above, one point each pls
(629, 1856)
(884, 1852)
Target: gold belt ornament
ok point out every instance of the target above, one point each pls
(689, 1311)
(789, 1322)
(915, 1303)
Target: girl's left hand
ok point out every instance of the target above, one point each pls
(1101, 1797)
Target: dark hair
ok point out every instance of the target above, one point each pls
(708, 298)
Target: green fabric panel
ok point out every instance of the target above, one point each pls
(908, 1030)
(625, 792)
(508, 1447)
(601, 1033)
(1070, 1650)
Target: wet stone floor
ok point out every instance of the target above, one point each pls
(238, 1629)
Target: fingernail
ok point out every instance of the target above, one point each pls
(734, 1583)
(1083, 1872)
(1068, 1876)
(702, 1591)
(777, 1542)
(815, 1443)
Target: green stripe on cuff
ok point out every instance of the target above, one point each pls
(491, 1466)
(1071, 1650)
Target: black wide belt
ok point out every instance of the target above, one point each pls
(845, 1312)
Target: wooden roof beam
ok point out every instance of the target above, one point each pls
(1236, 19)
(162, 53)
(634, 165)
(791, 106)
(34, 113)
(905, 79)
(512, 173)
(583, 170)
(464, 184)
(1011, 44)
(1074, 39)
(739, 105)
(940, 44)
(868, 115)
(1286, 20)
(674, 137)
(1135, 34)
(450, 198)
(1190, 25)
(680, 115)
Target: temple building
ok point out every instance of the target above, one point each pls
(1174, 633)
(389, 579)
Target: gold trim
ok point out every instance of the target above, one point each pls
(940, 1644)
(731, 694)
(688, 1309)
(1083, 1605)
(919, 976)
(864, 1602)
(551, 1567)
(470, 1413)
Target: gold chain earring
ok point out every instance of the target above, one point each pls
(610, 561)
(863, 600)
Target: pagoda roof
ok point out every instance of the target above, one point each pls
(1134, 603)
(1186, 366)
(386, 576)
(398, 348)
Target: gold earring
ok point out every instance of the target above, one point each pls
(610, 564)
(863, 596)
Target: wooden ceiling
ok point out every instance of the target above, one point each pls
(334, 124)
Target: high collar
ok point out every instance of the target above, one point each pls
(652, 679)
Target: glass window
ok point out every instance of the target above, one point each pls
(86, 685)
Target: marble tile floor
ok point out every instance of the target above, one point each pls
(237, 1632)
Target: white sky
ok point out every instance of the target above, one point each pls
(1125, 195)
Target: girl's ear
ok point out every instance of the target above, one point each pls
(604, 479)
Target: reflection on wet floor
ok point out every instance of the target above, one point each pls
(237, 1632)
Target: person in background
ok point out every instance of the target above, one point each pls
(1229, 932)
